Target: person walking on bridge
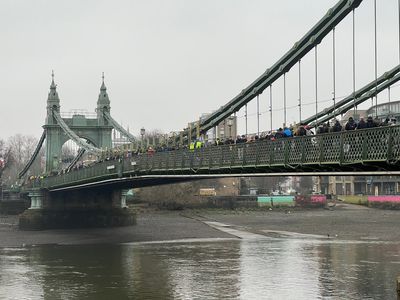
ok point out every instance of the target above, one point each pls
(370, 123)
(198, 144)
(192, 145)
(351, 124)
(361, 124)
(336, 126)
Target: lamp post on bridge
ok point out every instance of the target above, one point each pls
(142, 133)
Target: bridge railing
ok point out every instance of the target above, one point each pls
(379, 145)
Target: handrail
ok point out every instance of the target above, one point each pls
(359, 148)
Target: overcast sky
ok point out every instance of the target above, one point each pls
(168, 61)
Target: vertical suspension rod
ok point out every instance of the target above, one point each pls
(300, 89)
(354, 63)
(270, 105)
(258, 115)
(284, 99)
(399, 27)
(334, 70)
(245, 116)
(376, 61)
(316, 84)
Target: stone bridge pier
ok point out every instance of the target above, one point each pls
(94, 207)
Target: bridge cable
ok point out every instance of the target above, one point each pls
(359, 92)
(369, 91)
(119, 128)
(245, 115)
(34, 155)
(284, 99)
(376, 61)
(300, 89)
(234, 115)
(258, 115)
(399, 26)
(76, 159)
(73, 136)
(354, 63)
(334, 70)
(316, 83)
(335, 15)
(270, 104)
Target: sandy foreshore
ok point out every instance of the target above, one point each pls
(344, 222)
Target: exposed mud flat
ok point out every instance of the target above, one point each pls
(343, 222)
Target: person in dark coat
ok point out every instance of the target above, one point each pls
(362, 124)
(377, 122)
(351, 124)
(370, 123)
(279, 134)
(301, 131)
(337, 127)
(320, 129)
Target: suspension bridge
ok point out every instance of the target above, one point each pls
(103, 184)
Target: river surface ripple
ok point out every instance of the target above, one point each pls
(250, 267)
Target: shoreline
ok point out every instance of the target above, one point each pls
(342, 222)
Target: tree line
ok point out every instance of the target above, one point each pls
(15, 152)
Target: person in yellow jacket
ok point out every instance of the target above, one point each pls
(191, 146)
(198, 144)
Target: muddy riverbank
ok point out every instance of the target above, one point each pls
(345, 222)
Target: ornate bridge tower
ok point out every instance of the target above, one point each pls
(58, 130)
(97, 207)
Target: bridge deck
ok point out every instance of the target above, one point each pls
(368, 149)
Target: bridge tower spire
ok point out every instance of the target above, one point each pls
(53, 102)
(52, 129)
(103, 103)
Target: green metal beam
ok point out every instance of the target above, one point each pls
(334, 16)
(73, 136)
(390, 79)
(34, 155)
(343, 105)
(118, 127)
(365, 150)
(76, 158)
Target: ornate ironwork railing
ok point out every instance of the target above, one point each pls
(376, 148)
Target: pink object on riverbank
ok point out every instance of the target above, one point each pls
(318, 199)
(394, 199)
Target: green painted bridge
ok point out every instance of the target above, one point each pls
(367, 150)
(103, 185)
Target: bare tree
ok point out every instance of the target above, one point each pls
(306, 185)
(4, 157)
(155, 137)
(170, 195)
(265, 185)
(20, 149)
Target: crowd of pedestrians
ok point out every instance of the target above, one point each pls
(280, 133)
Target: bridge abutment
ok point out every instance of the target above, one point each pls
(97, 207)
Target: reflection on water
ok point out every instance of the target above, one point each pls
(242, 269)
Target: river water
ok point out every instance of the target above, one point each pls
(247, 268)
